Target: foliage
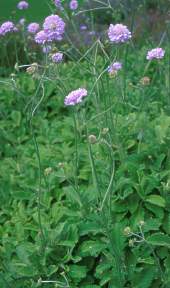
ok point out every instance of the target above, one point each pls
(85, 190)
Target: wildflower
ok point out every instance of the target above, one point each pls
(7, 27)
(41, 37)
(114, 67)
(58, 4)
(83, 27)
(119, 33)
(54, 27)
(75, 97)
(57, 57)
(73, 4)
(157, 53)
(22, 5)
(33, 28)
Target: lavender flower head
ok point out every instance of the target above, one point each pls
(73, 4)
(114, 67)
(57, 57)
(54, 27)
(41, 37)
(22, 5)
(58, 4)
(119, 33)
(83, 27)
(157, 53)
(75, 97)
(7, 27)
(33, 28)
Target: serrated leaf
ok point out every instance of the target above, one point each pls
(159, 239)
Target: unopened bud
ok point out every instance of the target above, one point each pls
(141, 223)
(105, 131)
(47, 171)
(60, 165)
(92, 139)
(131, 242)
(127, 231)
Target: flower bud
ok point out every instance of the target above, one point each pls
(127, 231)
(47, 171)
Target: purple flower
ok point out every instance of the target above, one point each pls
(114, 67)
(83, 27)
(119, 33)
(54, 27)
(7, 27)
(73, 4)
(157, 53)
(41, 37)
(75, 97)
(57, 57)
(58, 4)
(46, 49)
(22, 5)
(33, 28)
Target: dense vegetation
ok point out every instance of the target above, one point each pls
(85, 189)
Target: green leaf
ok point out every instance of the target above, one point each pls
(159, 239)
(77, 272)
(144, 278)
(92, 248)
(156, 200)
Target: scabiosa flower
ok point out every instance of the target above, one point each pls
(75, 97)
(114, 68)
(7, 27)
(22, 5)
(54, 27)
(73, 4)
(33, 28)
(41, 37)
(157, 53)
(57, 57)
(119, 33)
(58, 4)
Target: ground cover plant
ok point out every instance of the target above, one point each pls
(85, 135)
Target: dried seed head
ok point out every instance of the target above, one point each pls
(92, 139)
(32, 69)
(145, 81)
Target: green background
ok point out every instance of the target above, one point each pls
(37, 11)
